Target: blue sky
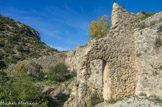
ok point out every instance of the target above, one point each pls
(64, 24)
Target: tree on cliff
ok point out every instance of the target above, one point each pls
(100, 28)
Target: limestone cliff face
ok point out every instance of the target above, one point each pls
(125, 63)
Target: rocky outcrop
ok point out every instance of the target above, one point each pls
(42, 63)
(19, 42)
(125, 63)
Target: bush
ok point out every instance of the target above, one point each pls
(146, 15)
(154, 99)
(113, 101)
(2, 43)
(2, 64)
(100, 28)
(2, 78)
(41, 75)
(20, 88)
(58, 73)
(20, 48)
(95, 99)
(142, 94)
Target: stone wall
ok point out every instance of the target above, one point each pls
(111, 66)
(149, 54)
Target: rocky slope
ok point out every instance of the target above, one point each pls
(20, 47)
(19, 42)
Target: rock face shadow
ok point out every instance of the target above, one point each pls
(58, 100)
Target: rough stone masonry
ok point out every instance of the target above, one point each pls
(125, 63)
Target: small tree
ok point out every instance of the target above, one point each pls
(100, 28)
(58, 73)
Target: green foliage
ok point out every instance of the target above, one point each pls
(2, 64)
(58, 73)
(100, 28)
(20, 88)
(142, 94)
(154, 99)
(3, 78)
(146, 15)
(20, 48)
(41, 76)
(113, 101)
(95, 99)
(90, 105)
(2, 43)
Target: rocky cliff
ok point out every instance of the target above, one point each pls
(19, 42)
(125, 63)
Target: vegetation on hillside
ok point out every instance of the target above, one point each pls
(21, 86)
(95, 99)
(60, 73)
(19, 42)
(146, 15)
(99, 28)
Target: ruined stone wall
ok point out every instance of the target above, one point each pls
(111, 66)
(108, 66)
(148, 43)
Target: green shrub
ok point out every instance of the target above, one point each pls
(142, 94)
(41, 75)
(20, 87)
(146, 15)
(154, 98)
(2, 78)
(2, 64)
(2, 43)
(90, 105)
(113, 101)
(20, 48)
(58, 73)
(95, 99)
(34, 55)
